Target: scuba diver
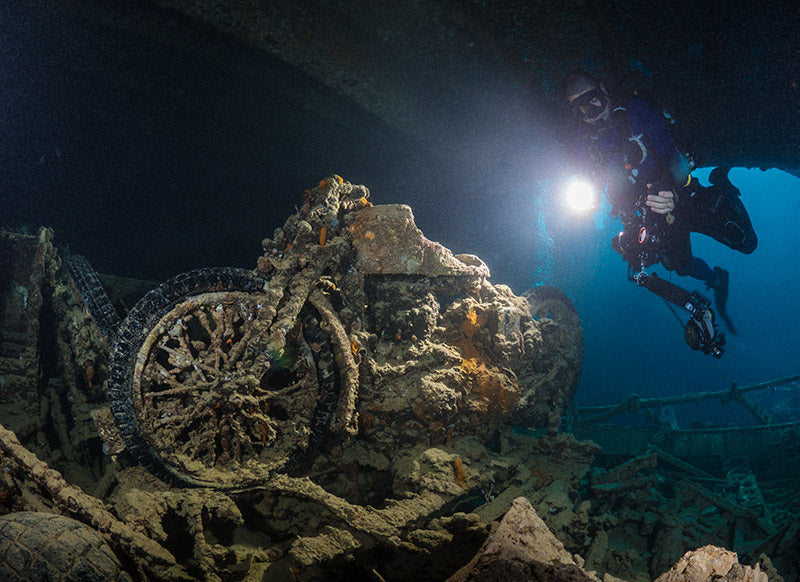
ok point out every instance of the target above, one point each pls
(626, 146)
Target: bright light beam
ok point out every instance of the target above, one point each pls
(580, 196)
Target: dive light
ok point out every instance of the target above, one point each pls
(580, 196)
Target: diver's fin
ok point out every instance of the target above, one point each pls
(719, 177)
(720, 288)
(728, 321)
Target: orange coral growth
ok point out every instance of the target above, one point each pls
(89, 371)
(458, 473)
(365, 202)
(323, 233)
(492, 391)
(369, 235)
(472, 318)
(326, 182)
(449, 436)
(473, 322)
(354, 346)
(419, 410)
(365, 422)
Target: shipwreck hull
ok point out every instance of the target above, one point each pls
(705, 447)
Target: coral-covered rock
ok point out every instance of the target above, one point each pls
(389, 243)
(521, 548)
(712, 563)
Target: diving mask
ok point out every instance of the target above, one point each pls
(590, 105)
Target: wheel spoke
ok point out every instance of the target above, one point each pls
(205, 398)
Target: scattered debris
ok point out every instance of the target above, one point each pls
(364, 403)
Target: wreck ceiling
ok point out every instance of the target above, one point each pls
(462, 72)
(129, 120)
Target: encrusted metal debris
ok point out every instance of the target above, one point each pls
(362, 402)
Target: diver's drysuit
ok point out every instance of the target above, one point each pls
(634, 155)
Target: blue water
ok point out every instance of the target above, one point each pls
(633, 342)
